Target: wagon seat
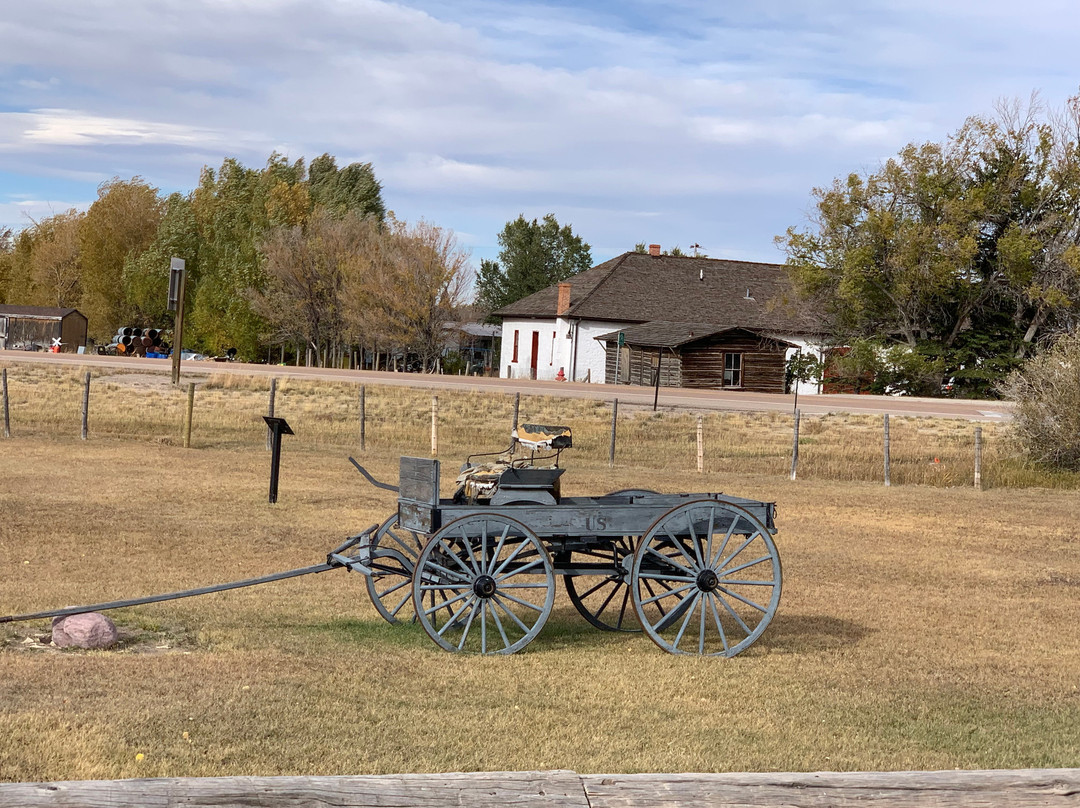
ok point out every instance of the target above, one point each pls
(514, 478)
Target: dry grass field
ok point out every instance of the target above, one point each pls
(923, 626)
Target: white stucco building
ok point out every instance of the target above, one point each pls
(700, 322)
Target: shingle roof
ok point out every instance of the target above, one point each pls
(636, 287)
(662, 334)
(35, 311)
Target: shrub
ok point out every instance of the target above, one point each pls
(1046, 422)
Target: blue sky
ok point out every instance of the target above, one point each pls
(673, 123)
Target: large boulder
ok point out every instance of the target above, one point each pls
(89, 630)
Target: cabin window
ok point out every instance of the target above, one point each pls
(551, 360)
(732, 370)
(516, 335)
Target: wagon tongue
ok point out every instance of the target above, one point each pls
(334, 560)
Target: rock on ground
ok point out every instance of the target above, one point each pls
(90, 630)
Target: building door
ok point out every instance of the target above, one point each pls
(535, 360)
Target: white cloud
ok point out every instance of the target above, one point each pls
(694, 112)
(59, 127)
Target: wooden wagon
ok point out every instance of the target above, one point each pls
(699, 573)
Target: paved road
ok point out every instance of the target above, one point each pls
(676, 397)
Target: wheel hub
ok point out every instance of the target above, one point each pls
(707, 581)
(484, 586)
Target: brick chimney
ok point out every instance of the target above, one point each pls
(563, 306)
(654, 249)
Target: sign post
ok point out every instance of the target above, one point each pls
(177, 282)
(278, 427)
(618, 354)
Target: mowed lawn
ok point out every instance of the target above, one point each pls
(921, 627)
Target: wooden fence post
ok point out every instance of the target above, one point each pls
(434, 426)
(190, 408)
(514, 425)
(795, 445)
(614, 422)
(7, 409)
(888, 481)
(85, 403)
(270, 412)
(700, 445)
(978, 458)
(363, 415)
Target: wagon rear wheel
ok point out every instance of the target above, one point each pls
(486, 584)
(604, 599)
(706, 579)
(394, 552)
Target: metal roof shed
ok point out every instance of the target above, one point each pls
(34, 328)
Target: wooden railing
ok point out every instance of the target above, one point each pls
(1012, 788)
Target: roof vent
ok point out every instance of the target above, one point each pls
(748, 295)
(701, 274)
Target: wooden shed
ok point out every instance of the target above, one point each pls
(697, 355)
(36, 328)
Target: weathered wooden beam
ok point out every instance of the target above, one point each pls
(481, 790)
(988, 789)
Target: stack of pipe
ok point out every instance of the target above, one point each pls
(138, 341)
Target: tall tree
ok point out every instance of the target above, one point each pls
(966, 252)
(119, 225)
(306, 271)
(232, 208)
(7, 260)
(55, 263)
(236, 209)
(533, 255)
(351, 189)
(145, 279)
(407, 285)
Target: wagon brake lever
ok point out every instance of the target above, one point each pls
(372, 480)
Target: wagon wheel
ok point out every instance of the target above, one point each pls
(706, 579)
(489, 583)
(605, 603)
(394, 551)
(604, 600)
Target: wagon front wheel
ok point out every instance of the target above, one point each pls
(706, 579)
(394, 552)
(486, 585)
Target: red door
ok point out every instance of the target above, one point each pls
(535, 354)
